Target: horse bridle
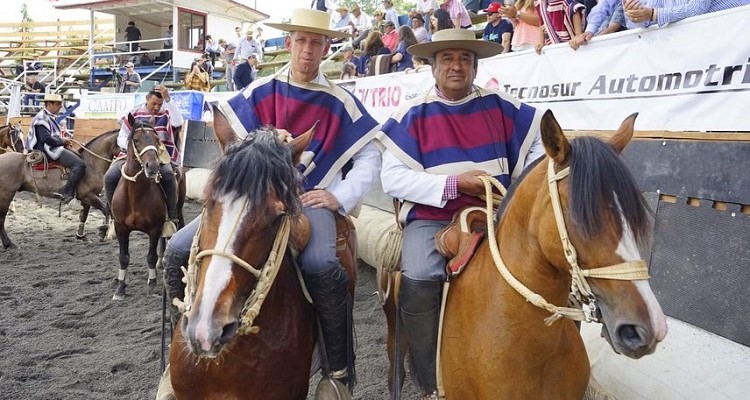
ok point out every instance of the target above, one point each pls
(580, 288)
(138, 155)
(265, 276)
(14, 134)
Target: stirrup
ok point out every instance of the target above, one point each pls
(168, 229)
(331, 387)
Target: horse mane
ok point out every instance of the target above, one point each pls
(255, 167)
(599, 182)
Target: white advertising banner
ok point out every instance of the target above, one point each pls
(105, 105)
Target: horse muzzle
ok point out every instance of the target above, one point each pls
(208, 341)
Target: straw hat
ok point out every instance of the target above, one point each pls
(312, 21)
(342, 8)
(52, 97)
(455, 39)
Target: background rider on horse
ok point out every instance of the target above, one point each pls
(294, 100)
(164, 116)
(485, 132)
(49, 137)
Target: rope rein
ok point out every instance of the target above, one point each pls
(265, 276)
(580, 289)
(83, 146)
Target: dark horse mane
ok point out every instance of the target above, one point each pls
(96, 139)
(597, 175)
(256, 167)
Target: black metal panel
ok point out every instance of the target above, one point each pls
(201, 145)
(692, 168)
(700, 267)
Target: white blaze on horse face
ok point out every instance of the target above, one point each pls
(218, 271)
(628, 250)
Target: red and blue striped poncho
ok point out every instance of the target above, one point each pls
(344, 125)
(162, 125)
(488, 130)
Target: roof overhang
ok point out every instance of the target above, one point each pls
(153, 10)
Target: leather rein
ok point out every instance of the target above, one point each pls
(580, 288)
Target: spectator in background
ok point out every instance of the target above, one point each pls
(373, 46)
(662, 12)
(322, 5)
(401, 57)
(459, 14)
(342, 23)
(419, 62)
(212, 49)
(197, 78)
(425, 8)
(561, 21)
(440, 20)
(390, 36)
(207, 65)
(348, 71)
(238, 32)
(390, 13)
(32, 86)
(527, 32)
(133, 34)
(498, 29)
(246, 72)
(168, 37)
(35, 64)
(361, 25)
(417, 26)
(227, 55)
(259, 37)
(606, 17)
(131, 80)
(349, 56)
(248, 45)
(378, 21)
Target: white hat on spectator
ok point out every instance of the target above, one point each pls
(52, 97)
(312, 21)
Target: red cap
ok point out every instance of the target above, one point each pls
(493, 7)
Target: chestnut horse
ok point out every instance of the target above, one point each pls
(503, 334)
(226, 346)
(138, 202)
(16, 175)
(11, 139)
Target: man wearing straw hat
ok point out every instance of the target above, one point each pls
(436, 149)
(48, 136)
(295, 99)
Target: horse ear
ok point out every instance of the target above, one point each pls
(300, 143)
(223, 129)
(624, 134)
(556, 145)
(131, 120)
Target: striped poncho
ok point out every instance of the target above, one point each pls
(486, 130)
(162, 125)
(344, 126)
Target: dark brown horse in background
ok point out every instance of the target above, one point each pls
(495, 343)
(11, 138)
(16, 174)
(138, 203)
(225, 345)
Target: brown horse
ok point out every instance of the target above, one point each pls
(138, 202)
(226, 346)
(11, 139)
(16, 174)
(504, 335)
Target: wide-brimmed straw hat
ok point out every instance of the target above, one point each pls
(52, 97)
(456, 38)
(313, 21)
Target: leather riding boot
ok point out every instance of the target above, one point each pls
(68, 192)
(329, 292)
(170, 192)
(109, 191)
(419, 304)
(173, 283)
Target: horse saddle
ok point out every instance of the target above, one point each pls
(40, 162)
(459, 240)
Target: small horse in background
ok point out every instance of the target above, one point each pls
(577, 213)
(11, 139)
(138, 203)
(225, 346)
(17, 174)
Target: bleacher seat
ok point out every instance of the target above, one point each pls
(274, 43)
(404, 20)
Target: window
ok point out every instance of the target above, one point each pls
(191, 28)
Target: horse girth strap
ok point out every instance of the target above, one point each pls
(265, 276)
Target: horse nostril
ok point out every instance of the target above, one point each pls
(631, 336)
(228, 332)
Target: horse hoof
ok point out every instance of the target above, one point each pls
(120, 291)
(332, 389)
(152, 289)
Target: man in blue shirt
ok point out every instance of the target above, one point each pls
(245, 73)
(498, 29)
(606, 17)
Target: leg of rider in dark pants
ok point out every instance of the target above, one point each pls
(77, 171)
(175, 256)
(169, 185)
(420, 296)
(111, 179)
(328, 282)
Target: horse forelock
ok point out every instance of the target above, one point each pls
(600, 182)
(260, 170)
